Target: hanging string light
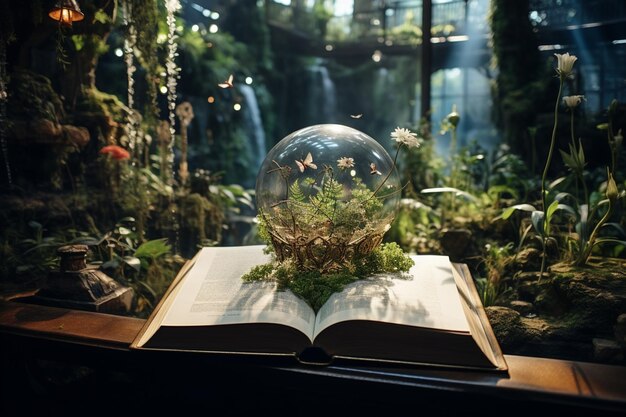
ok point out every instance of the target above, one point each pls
(172, 70)
(130, 41)
(66, 12)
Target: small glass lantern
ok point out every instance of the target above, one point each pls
(66, 12)
(326, 195)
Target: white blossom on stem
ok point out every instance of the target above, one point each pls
(405, 136)
(573, 101)
(565, 64)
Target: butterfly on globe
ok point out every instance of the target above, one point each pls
(228, 83)
(373, 170)
(306, 163)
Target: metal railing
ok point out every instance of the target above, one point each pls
(559, 14)
(390, 21)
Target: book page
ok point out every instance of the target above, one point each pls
(426, 296)
(213, 293)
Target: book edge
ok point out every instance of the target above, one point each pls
(158, 312)
(483, 320)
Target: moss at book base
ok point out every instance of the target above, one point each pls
(316, 287)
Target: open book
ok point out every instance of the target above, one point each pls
(430, 316)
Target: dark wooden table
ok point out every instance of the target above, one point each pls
(67, 362)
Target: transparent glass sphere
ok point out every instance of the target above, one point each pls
(326, 193)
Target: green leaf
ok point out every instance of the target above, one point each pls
(581, 225)
(522, 207)
(568, 160)
(617, 227)
(153, 249)
(563, 195)
(456, 191)
(295, 192)
(112, 264)
(148, 289)
(33, 224)
(536, 219)
(551, 209)
(101, 16)
(581, 153)
(86, 240)
(133, 262)
(229, 194)
(79, 42)
(246, 202)
(123, 231)
(495, 190)
(556, 182)
(604, 240)
(566, 208)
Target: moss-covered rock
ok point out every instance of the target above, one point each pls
(101, 113)
(514, 331)
(574, 306)
(32, 97)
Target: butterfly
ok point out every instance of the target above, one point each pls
(306, 163)
(373, 170)
(356, 116)
(228, 83)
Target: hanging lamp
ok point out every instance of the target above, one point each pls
(66, 12)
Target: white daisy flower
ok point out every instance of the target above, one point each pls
(345, 163)
(406, 137)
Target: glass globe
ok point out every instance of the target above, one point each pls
(326, 194)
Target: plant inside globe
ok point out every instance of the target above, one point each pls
(326, 196)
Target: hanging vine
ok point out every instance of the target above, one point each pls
(4, 95)
(144, 16)
(129, 58)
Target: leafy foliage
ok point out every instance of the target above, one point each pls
(316, 287)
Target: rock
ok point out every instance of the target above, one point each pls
(45, 130)
(592, 307)
(506, 325)
(514, 332)
(79, 136)
(455, 241)
(529, 259)
(522, 307)
(550, 301)
(38, 131)
(605, 350)
(620, 330)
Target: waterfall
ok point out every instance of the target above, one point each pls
(253, 126)
(322, 94)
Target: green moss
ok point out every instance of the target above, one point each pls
(316, 287)
(97, 101)
(32, 97)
